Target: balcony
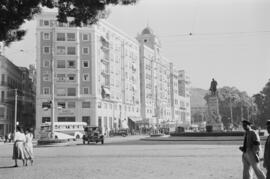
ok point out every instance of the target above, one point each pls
(105, 44)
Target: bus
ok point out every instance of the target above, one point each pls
(63, 130)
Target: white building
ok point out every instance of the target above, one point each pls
(99, 75)
(93, 72)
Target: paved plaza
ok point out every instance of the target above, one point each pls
(128, 158)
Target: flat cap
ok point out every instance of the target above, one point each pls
(246, 122)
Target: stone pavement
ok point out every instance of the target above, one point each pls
(128, 158)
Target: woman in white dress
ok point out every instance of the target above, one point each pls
(29, 146)
(18, 147)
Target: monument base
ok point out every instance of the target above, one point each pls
(216, 127)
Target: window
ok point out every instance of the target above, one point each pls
(3, 79)
(46, 50)
(85, 90)
(85, 64)
(86, 104)
(61, 64)
(46, 63)
(86, 119)
(46, 22)
(46, 119)
(85, 50)
(85, 37)
(71, 77)
(60, 50)
(71, 64)
(46, 90)
(46, 77)
(2, 96)
(71, 51)
(71, 91)
(61, 105)
(86, 77)
(60, 77)
(71, 104)
(2, 112)
(60, 37)
(70, 36)
(61, 92)
(46, 36)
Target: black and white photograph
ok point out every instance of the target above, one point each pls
(134, 89)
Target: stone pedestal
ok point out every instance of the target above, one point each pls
(214, 118)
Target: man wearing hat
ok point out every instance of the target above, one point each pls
(251, 149)
(266, 156)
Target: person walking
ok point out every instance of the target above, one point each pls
(251, 149)
(18, 147)
(29, 146)
(9, 137)
(266, 156)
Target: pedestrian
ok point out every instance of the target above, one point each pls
(6, 138)
(9, 137)
(18, 147)
(251, 149)
(266, 156)
(29, 146)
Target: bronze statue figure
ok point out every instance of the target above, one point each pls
(213, 87)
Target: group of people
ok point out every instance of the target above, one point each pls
(8, 137)
(23, 146)
(251, 149)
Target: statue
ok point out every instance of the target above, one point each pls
(213, 87)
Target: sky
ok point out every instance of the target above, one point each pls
(230, 39)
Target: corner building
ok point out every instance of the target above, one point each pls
(14, 80)
(92, 71)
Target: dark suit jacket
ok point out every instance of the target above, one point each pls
(266, 156)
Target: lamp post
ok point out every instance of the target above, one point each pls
(53, 97)
(15, 111)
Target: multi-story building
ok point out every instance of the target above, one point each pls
(15, 80)
(160, 91)
(184, 94)
(154, 82)
(90, 74)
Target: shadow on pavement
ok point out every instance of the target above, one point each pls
(5, 167)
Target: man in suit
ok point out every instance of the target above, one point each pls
(251, 149)
(266, 156)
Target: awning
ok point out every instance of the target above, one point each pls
(143, 121)
(107, 91)
(135, 118)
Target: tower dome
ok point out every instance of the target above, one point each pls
(147, 30)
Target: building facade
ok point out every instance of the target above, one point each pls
(162, 103)
(99, 75)
(15, 80)
(184, 96)
(90, 74)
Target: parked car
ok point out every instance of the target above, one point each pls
(92, 134)
(120, 132)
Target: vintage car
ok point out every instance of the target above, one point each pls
(120, 132)
(92, 134)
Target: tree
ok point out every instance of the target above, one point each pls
(13, 13)
(262, 101)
